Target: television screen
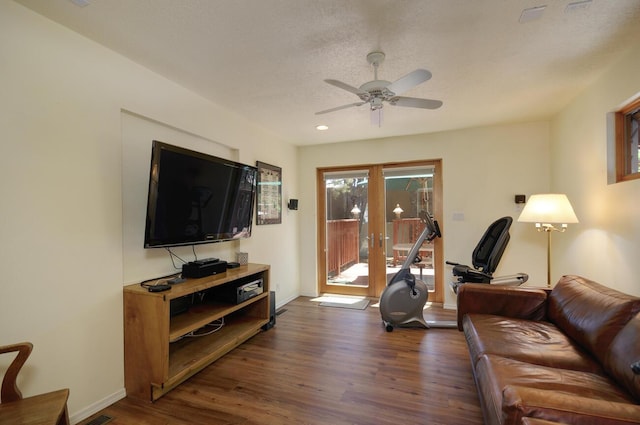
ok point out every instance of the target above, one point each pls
(197, 198)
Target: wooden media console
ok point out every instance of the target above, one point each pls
(163, 348)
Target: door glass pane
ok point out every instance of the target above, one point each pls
(407, 192)
(632, 136)
(347, 250)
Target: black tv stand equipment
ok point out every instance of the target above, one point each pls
(202, 268)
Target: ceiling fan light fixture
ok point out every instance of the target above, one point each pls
(577, 5)
(80, 3)
(531, 14)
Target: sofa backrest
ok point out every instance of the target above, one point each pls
(590, 313)
(624, 352)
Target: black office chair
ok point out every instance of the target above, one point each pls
(486, 256)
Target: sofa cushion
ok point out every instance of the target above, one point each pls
(510, 389)
(568, 409)
(590, 313)
(625, 350)
(540, 343)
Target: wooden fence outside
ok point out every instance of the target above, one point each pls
(343, 240)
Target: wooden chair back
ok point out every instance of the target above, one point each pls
(49, 408)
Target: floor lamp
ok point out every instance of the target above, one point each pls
(547, 211)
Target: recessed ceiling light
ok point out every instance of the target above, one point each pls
(577, 5)
(531, 14)
(322, 127)
(80, 3)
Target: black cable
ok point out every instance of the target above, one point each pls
(164, 279)
(159, 278)
(171, 255)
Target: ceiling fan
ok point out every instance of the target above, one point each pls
(378, 91)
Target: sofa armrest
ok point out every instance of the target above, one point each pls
(508, 301)
(555, 406)
(535, 421)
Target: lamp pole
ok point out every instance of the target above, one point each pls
(548, 230)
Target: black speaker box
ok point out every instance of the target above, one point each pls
(272, 311)
(179, 305)
(198, 269)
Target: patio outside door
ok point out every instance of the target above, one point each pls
(364, 237)
(410, 190)
(351, 239)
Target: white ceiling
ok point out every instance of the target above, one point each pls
(267, 59)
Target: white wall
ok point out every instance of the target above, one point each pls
(61, 190)
(483, 168)
(604, 246)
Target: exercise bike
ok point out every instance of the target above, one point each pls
(404, 297)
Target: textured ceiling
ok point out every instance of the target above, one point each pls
(267, 59)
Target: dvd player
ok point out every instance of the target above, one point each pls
(238, 291)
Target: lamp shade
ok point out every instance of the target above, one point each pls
(548, 208)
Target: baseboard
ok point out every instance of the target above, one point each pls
(280, 303)
(94, 408)
(448, 306)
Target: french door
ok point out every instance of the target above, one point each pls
(368, 219)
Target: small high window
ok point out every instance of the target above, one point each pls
(627, 122)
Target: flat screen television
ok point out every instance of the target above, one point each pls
(196, 198)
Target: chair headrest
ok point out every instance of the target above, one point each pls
(489, 250)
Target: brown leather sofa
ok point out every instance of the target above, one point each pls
(567, 355)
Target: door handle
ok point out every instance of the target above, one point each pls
(381, 239)
(372, 240)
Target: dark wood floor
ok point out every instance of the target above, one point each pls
(324, 365)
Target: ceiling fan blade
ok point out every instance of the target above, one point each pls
(414, 102)
(410, 80)
(340, 107)
(347, 87)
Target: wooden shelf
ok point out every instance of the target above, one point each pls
(158, 353)
(182, 354)
(203, 314)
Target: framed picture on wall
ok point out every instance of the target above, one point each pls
(269, 199)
